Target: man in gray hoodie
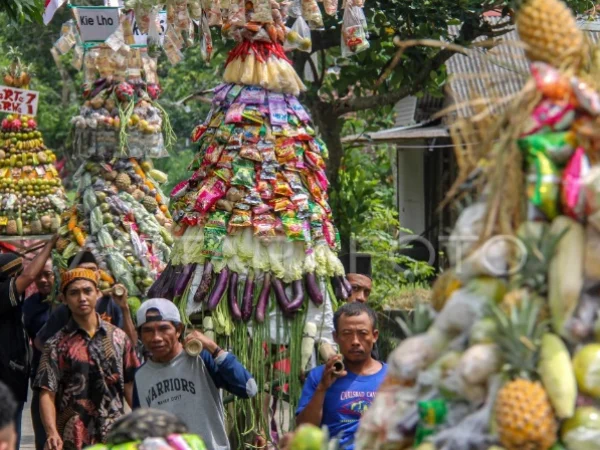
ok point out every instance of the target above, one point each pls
(187, 386)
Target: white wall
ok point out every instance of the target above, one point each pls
(410, 187)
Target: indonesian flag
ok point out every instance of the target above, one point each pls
(50, 9)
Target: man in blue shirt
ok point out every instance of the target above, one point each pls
(36, 310)
(338, 400)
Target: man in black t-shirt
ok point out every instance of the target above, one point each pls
(14, 344)
(36, 311)
(112, 309)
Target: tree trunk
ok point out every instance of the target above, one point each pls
(330, 130)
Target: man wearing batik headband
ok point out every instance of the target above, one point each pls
(14, 345)
(111, 308)
(86, 371)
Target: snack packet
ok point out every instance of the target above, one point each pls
(550, 116)
(354, 35)
(573, 192)
(558, 146)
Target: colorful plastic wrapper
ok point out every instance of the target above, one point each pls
(573, 192)
(354, 35)
(550, 116)
(214, 14)
(587, 97)
(262, 11)
(557, 146)
(543, 184)
(331, 7)
(312, 13)
(550, 81)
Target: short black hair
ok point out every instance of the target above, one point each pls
(145, 423)
(8, 406)
(84, 256)
(354, 309)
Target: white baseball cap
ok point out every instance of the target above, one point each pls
(167, 311)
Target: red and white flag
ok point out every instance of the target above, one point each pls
(50, 9)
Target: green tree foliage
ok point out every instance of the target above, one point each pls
(23, 11)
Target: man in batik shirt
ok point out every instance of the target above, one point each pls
(86, 372)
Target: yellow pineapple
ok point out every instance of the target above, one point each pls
(524, 417)
(550, 31)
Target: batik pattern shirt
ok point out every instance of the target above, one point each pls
(88, 375)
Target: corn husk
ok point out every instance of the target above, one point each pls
(557, 375)
(565, 274)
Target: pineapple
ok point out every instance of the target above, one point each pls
(150, 203)
(35, 224)
(11, 225)
(123, 181)
(523, 413)
(62, 244)
(549, 30)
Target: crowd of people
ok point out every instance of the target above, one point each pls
(82, 359)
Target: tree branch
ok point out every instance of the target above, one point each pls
(353, 104)
(468, 33)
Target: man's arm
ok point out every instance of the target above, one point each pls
(48, 413)
(129, 394)
(229, 374)
(57, 320)
(310, 409)
(35, 267)
(224, 368)
(127, 325)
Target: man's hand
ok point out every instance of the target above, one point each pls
(329, 374)
(54, 442)
(208, 344)
(121, 300)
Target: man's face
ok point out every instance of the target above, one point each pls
(45, 279)
(8, 437)
(161, 338)
(361, 287)
(81, 297)
(355, 336)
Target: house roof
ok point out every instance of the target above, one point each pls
(417, 131)
(487, 73)
(493, 73)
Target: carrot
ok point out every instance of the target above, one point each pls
(105, 276)
(72, 222)
(79, 236)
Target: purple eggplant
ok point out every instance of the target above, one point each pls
(346, 284)
(263, 299)
(184, 279)
(340, 290)
(280, 294)
(312, 288)
(169, 289)
(157, 288)
(207, 277)
(219, 289)
(296, 303)
(234, 308)
(99, 85)
(248, 298)
(289, 307)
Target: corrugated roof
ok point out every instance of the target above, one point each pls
(418, 131)
(495, 73)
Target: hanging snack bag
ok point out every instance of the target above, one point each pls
(298, 37)
(312, 13)
(354, 35)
